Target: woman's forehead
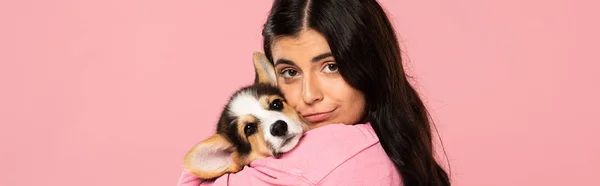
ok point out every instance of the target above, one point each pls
(301, 48)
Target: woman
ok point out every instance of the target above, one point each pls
(338, 62)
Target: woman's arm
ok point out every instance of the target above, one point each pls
(188, 179)
(247, 176)
(369, 167)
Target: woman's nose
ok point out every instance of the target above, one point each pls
(311, 90)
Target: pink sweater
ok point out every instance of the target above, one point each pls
(329, 155)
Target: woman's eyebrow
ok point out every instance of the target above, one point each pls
(314, 59)
(320, 57)
(284, 61)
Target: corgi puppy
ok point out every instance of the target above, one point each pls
(256, 123)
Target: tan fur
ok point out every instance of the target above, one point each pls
(264, 69)
(241, 123)
(215, 139)
(260, 148)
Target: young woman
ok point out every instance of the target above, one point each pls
(338, 64)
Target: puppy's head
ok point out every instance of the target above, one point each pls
(256, 123)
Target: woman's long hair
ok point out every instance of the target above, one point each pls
(365, 47)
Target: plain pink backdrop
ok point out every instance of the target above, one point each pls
(115, 92)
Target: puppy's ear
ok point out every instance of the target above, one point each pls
(265, 73)
(212, 158)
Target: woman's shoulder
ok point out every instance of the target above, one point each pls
(335, 153)
(327, 143)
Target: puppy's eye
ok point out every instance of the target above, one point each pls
(250, 129)
(277, 105)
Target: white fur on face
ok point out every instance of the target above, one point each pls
(247, 103)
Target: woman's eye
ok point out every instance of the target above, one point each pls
(289, 73)
(250, 129)
(331, 68)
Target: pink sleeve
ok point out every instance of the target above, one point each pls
(187, 179)
(247, 176)
(370, 167)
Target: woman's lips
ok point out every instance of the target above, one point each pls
(317, 117)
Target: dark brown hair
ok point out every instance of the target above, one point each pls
(365, 47)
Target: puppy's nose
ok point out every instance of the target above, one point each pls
(279, 128)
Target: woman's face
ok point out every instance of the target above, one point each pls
(309, 78)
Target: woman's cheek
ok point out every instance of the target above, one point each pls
(335, 83)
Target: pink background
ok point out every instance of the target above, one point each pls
(115, 92)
